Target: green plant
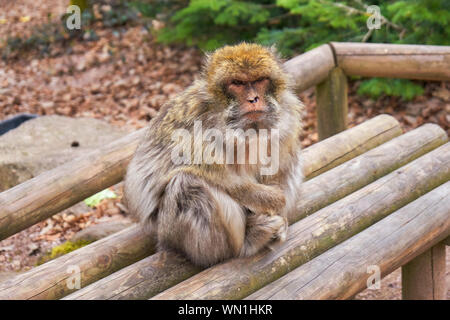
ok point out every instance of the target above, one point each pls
(295, 26)
(95, 199)
(62, 249)
(402, 88)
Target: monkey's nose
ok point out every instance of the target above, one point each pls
(254, 100)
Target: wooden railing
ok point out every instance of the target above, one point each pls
(325, 67)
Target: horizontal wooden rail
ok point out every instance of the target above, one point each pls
(102, 257)
(343, 271)
(311, 67)
(53, 191)
(154, 274)
(319, 232)
(393, 60)
(358, 172)
(331, 152)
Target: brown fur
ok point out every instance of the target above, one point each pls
(212, 212)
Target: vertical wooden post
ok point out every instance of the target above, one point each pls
(423, 278)
(332, 104)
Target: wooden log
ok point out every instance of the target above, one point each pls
(346, 269)
(394, 60)
(149, 276)
(366, 168)
(329, 153)
(141, 280)
(310, 68)
(53, 191)
(423, 278)
(351, 143)
(95, 261)
(319, 232)
(332, 104)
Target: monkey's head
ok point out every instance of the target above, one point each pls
(247, 80)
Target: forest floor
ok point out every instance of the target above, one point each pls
(122, 75)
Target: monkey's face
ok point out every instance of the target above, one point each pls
(251, 103)
(246, 80)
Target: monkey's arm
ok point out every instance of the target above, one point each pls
(258, 198)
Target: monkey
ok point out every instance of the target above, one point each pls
(212, 212)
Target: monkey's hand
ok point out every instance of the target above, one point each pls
(260, 198)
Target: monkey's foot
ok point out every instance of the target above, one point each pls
(270, 213)
(282, 232)
(280, 235)
(263, 231)
(280, 225)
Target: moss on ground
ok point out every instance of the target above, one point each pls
(62, 249)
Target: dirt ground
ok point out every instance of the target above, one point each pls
(122, 75)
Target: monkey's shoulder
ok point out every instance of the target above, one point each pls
(185, 108)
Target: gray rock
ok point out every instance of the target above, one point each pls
(101, 230)
(46, 142)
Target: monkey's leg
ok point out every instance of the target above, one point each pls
(263, 231)
(200, 221)
(257, 197)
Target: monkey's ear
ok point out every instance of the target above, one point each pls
(206, 62)
(274, 51)
(207, 55)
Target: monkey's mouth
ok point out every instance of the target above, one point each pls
(254, 114)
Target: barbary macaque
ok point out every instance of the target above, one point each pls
(207, 204)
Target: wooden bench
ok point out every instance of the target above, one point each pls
(367, 187)
(373, 197)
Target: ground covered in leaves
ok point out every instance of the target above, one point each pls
(120, 74)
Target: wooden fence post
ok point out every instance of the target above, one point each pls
(447, 241)
(332, 104)
(423, 278)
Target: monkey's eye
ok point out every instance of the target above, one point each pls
(260, 79)
(237, 82)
